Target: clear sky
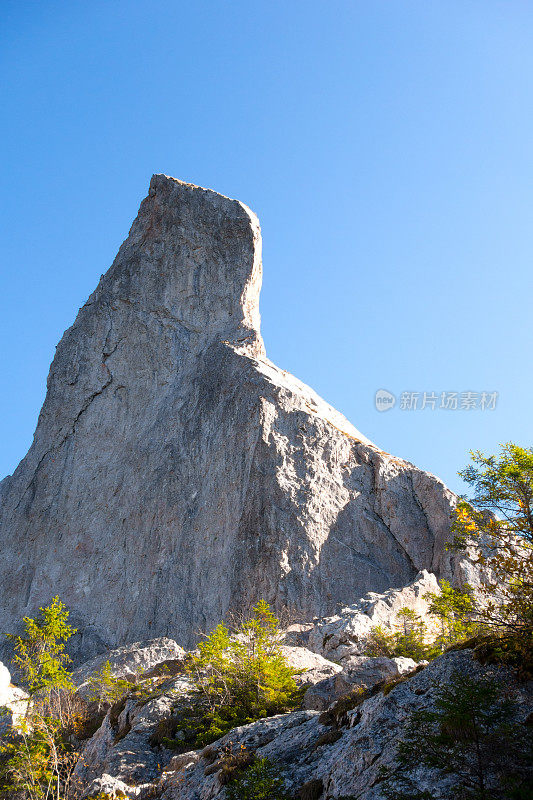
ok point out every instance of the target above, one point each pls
(386, 145)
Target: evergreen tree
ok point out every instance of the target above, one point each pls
(240, 676)
(472, 738)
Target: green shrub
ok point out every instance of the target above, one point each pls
(38, 762)
(239, 677)
(232, 764)
(454, 608)
(104, 688)
(165, 732)
(497, 524)
(409, 642)
(40, 653)
(470, 735)
(259, 781)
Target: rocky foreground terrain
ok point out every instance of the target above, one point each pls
(329, 749)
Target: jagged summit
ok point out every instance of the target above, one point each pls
(195, 256)
(176, 473)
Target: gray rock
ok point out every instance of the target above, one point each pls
(121, 747)
(357, 671)
(353, 767)
(288, 740)
(348, 763)
(108, 786)
(314, 667)
(176, 474)
(346, 634)
(131, 661)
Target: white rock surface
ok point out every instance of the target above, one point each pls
(5, 683)
(357, 671)
(176, 474)
(13, 702)
(346, 634)
(131, 661)
(109, 787)
(314, 667)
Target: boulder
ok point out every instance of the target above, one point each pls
(108, 787)
(314, 667)
(132, 661)
(358, 672)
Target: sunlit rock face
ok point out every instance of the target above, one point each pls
(177, 474)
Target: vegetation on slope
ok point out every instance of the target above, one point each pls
(474, 738)
(239, 675)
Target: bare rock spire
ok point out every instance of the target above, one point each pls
(177, 474)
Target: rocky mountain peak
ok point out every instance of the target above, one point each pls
(193, 256)
(176, 474)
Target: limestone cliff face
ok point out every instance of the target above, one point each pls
(176, 473)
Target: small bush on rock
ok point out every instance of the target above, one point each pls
(409, 641)
(336, 714)
(454, 608)
(232, 764)
(239, 676)
(104, 688)
(259, 781)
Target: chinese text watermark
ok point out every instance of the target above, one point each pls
(442, 401)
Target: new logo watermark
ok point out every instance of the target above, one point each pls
(384, 400)
(437, 401)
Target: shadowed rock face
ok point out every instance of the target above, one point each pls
(177, 474)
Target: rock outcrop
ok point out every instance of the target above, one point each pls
(132, 661)
(13, 702)
(343, 755)
(345, 635)
(356, 672)
(176, 474)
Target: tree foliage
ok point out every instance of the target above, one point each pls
(37, 762)
(105, 688)
(498, 520)
(472, 739)
(409, 641)
(452, 607)
(240, 676)
(259, 781)
(40, 652)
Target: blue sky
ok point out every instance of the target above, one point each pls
(386, 147)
